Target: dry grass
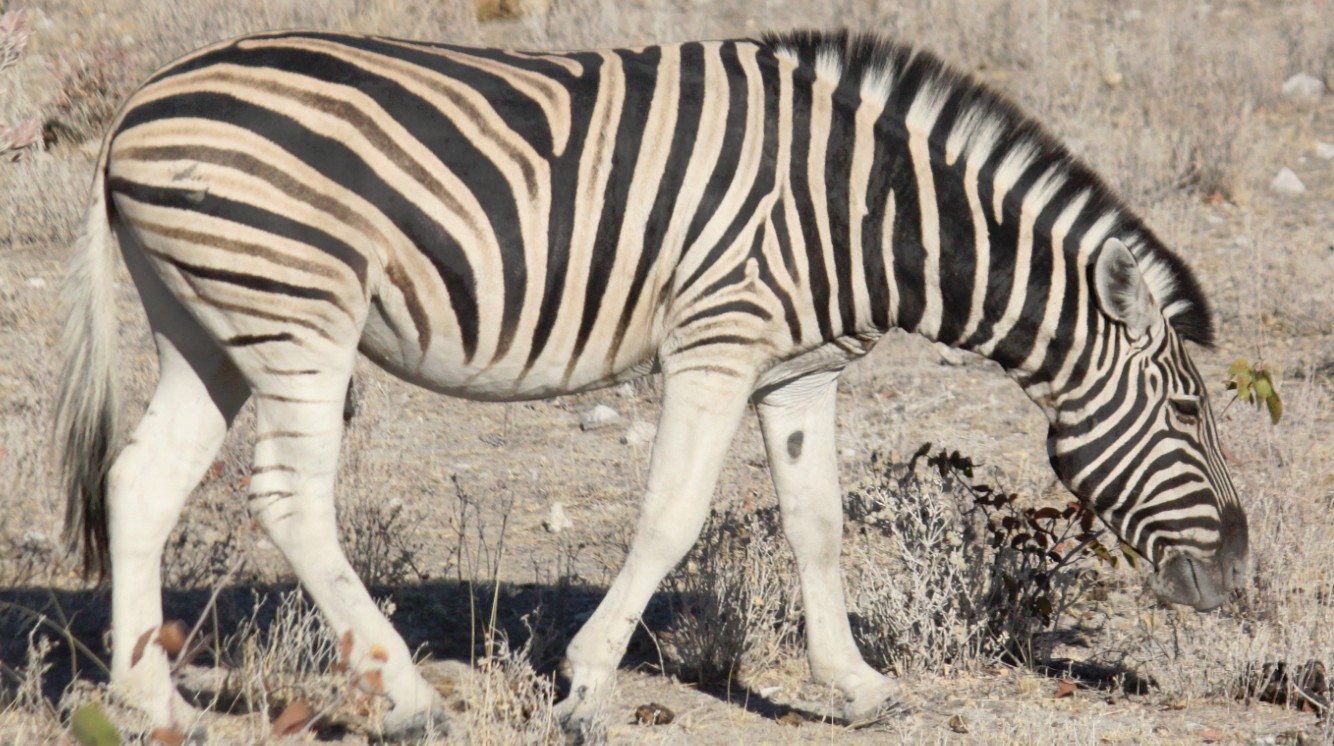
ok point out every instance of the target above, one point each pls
(1177, 105)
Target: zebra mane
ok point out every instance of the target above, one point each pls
(869, 65)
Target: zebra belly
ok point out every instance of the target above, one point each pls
(443, 367)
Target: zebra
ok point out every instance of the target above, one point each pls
(744, 217)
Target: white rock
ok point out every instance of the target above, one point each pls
(1304, 87)
(1324, 150)
(1287, 183)
(640, 433)
(557, 521)
(599, 416)
(768, 692)
(36, 282)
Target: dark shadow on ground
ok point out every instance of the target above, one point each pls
(435, 618)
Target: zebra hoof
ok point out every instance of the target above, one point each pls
(580, 731)
(886, 711)
(415, 727)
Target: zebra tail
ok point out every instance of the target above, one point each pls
(86, 409)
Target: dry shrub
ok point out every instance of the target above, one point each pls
(734, 608)
(506, 700)
(281, 654)
(90, 84)
(968, 576)
(25, 133)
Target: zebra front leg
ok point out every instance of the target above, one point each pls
(198, 394)
(700, 413)
(297, 435)
(798, 421)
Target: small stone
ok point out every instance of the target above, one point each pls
(769, 692)
(791, 718)
(653, 714)
(958, 724)
(36, 282)
(599, 416)
(1324, 150)
(1304, 87)
(640, 433)
(1287, 183)
(557, 521)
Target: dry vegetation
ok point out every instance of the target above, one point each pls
(1177, 103)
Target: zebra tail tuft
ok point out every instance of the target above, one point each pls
(86, 409)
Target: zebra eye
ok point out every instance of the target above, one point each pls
(1186, 410)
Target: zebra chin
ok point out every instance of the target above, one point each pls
(1203, 582)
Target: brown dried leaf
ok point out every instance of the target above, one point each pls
(379, 653)
(167, 736)
(171, 636)
(373, 681)
(1211, 734)
(139, 647)
(293, 719)
(345, 647)
(792, 718)
(1066, 688)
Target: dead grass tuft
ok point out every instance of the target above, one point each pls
(735, 603)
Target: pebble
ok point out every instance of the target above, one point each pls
(1287, 183)
(557, 521)
(1304, 87)
(1324, 150)
(599, 416)
(36, 282)
(640, 433)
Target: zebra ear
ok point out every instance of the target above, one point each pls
(1122, 292)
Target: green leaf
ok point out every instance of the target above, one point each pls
(1132, 556)
(1042, 605)
(91, 727)
(1275, 408)
(1239, 366)
(1264, 388)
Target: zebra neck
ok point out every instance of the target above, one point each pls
(938, 236)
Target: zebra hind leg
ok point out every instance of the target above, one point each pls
(700, 413)
(798, 422)
(198, 394)
(298, 429)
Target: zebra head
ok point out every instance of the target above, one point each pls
(1135, 439)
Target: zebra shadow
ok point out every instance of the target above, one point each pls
(439, 619)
